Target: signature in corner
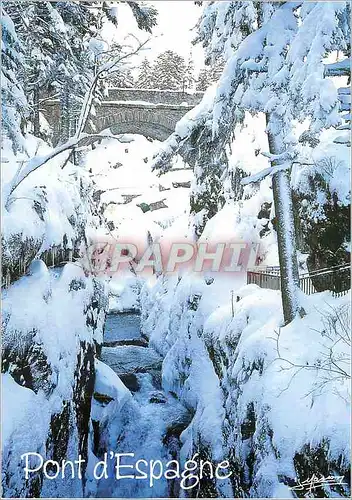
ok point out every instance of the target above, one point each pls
(316, 481)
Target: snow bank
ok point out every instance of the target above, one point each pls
(48, 204)
(124, 293)
(108, 383)
(20, 405)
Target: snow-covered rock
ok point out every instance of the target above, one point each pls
(109, 384)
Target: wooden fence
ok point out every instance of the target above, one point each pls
(337, 279)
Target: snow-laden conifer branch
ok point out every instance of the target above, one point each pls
(339, 68)
(280, 158)
(259, 176)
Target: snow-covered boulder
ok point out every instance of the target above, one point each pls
(108, 384)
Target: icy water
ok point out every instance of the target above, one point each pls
(149, 425)
(126, 326)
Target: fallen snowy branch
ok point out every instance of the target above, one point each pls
(40, 160)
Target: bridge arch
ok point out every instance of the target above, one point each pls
(155, 122)
(150, 130)
(153, 114)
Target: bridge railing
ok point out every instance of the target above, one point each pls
(336, 279)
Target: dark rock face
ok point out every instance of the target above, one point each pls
(82, 395)
(207, 483)
(264, 213)
(120, 343)
(316, 461)
(323, 229)
(30, 368)
(248, 425)
(57, 442)
(130, 380)
(19, 252)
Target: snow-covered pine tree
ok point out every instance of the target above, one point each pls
(41, 46)
(144, 14)
(222, 27)
(260, 76)
(279, 64)
(216, 69)
(145, 76)
(208, 76)
(169, 71)
(196, 141)
(13, 101)
(204, 80)
(121, 79)
(190, 79)
(206, 197)
(74, 72)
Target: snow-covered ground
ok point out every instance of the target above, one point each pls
(217, 337)
(123, 170)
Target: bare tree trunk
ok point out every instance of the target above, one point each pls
(64, 115)
(286, 238)
(36, 120)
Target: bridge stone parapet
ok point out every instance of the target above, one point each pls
(175, 97)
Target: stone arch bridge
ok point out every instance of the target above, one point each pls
(152, 113)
